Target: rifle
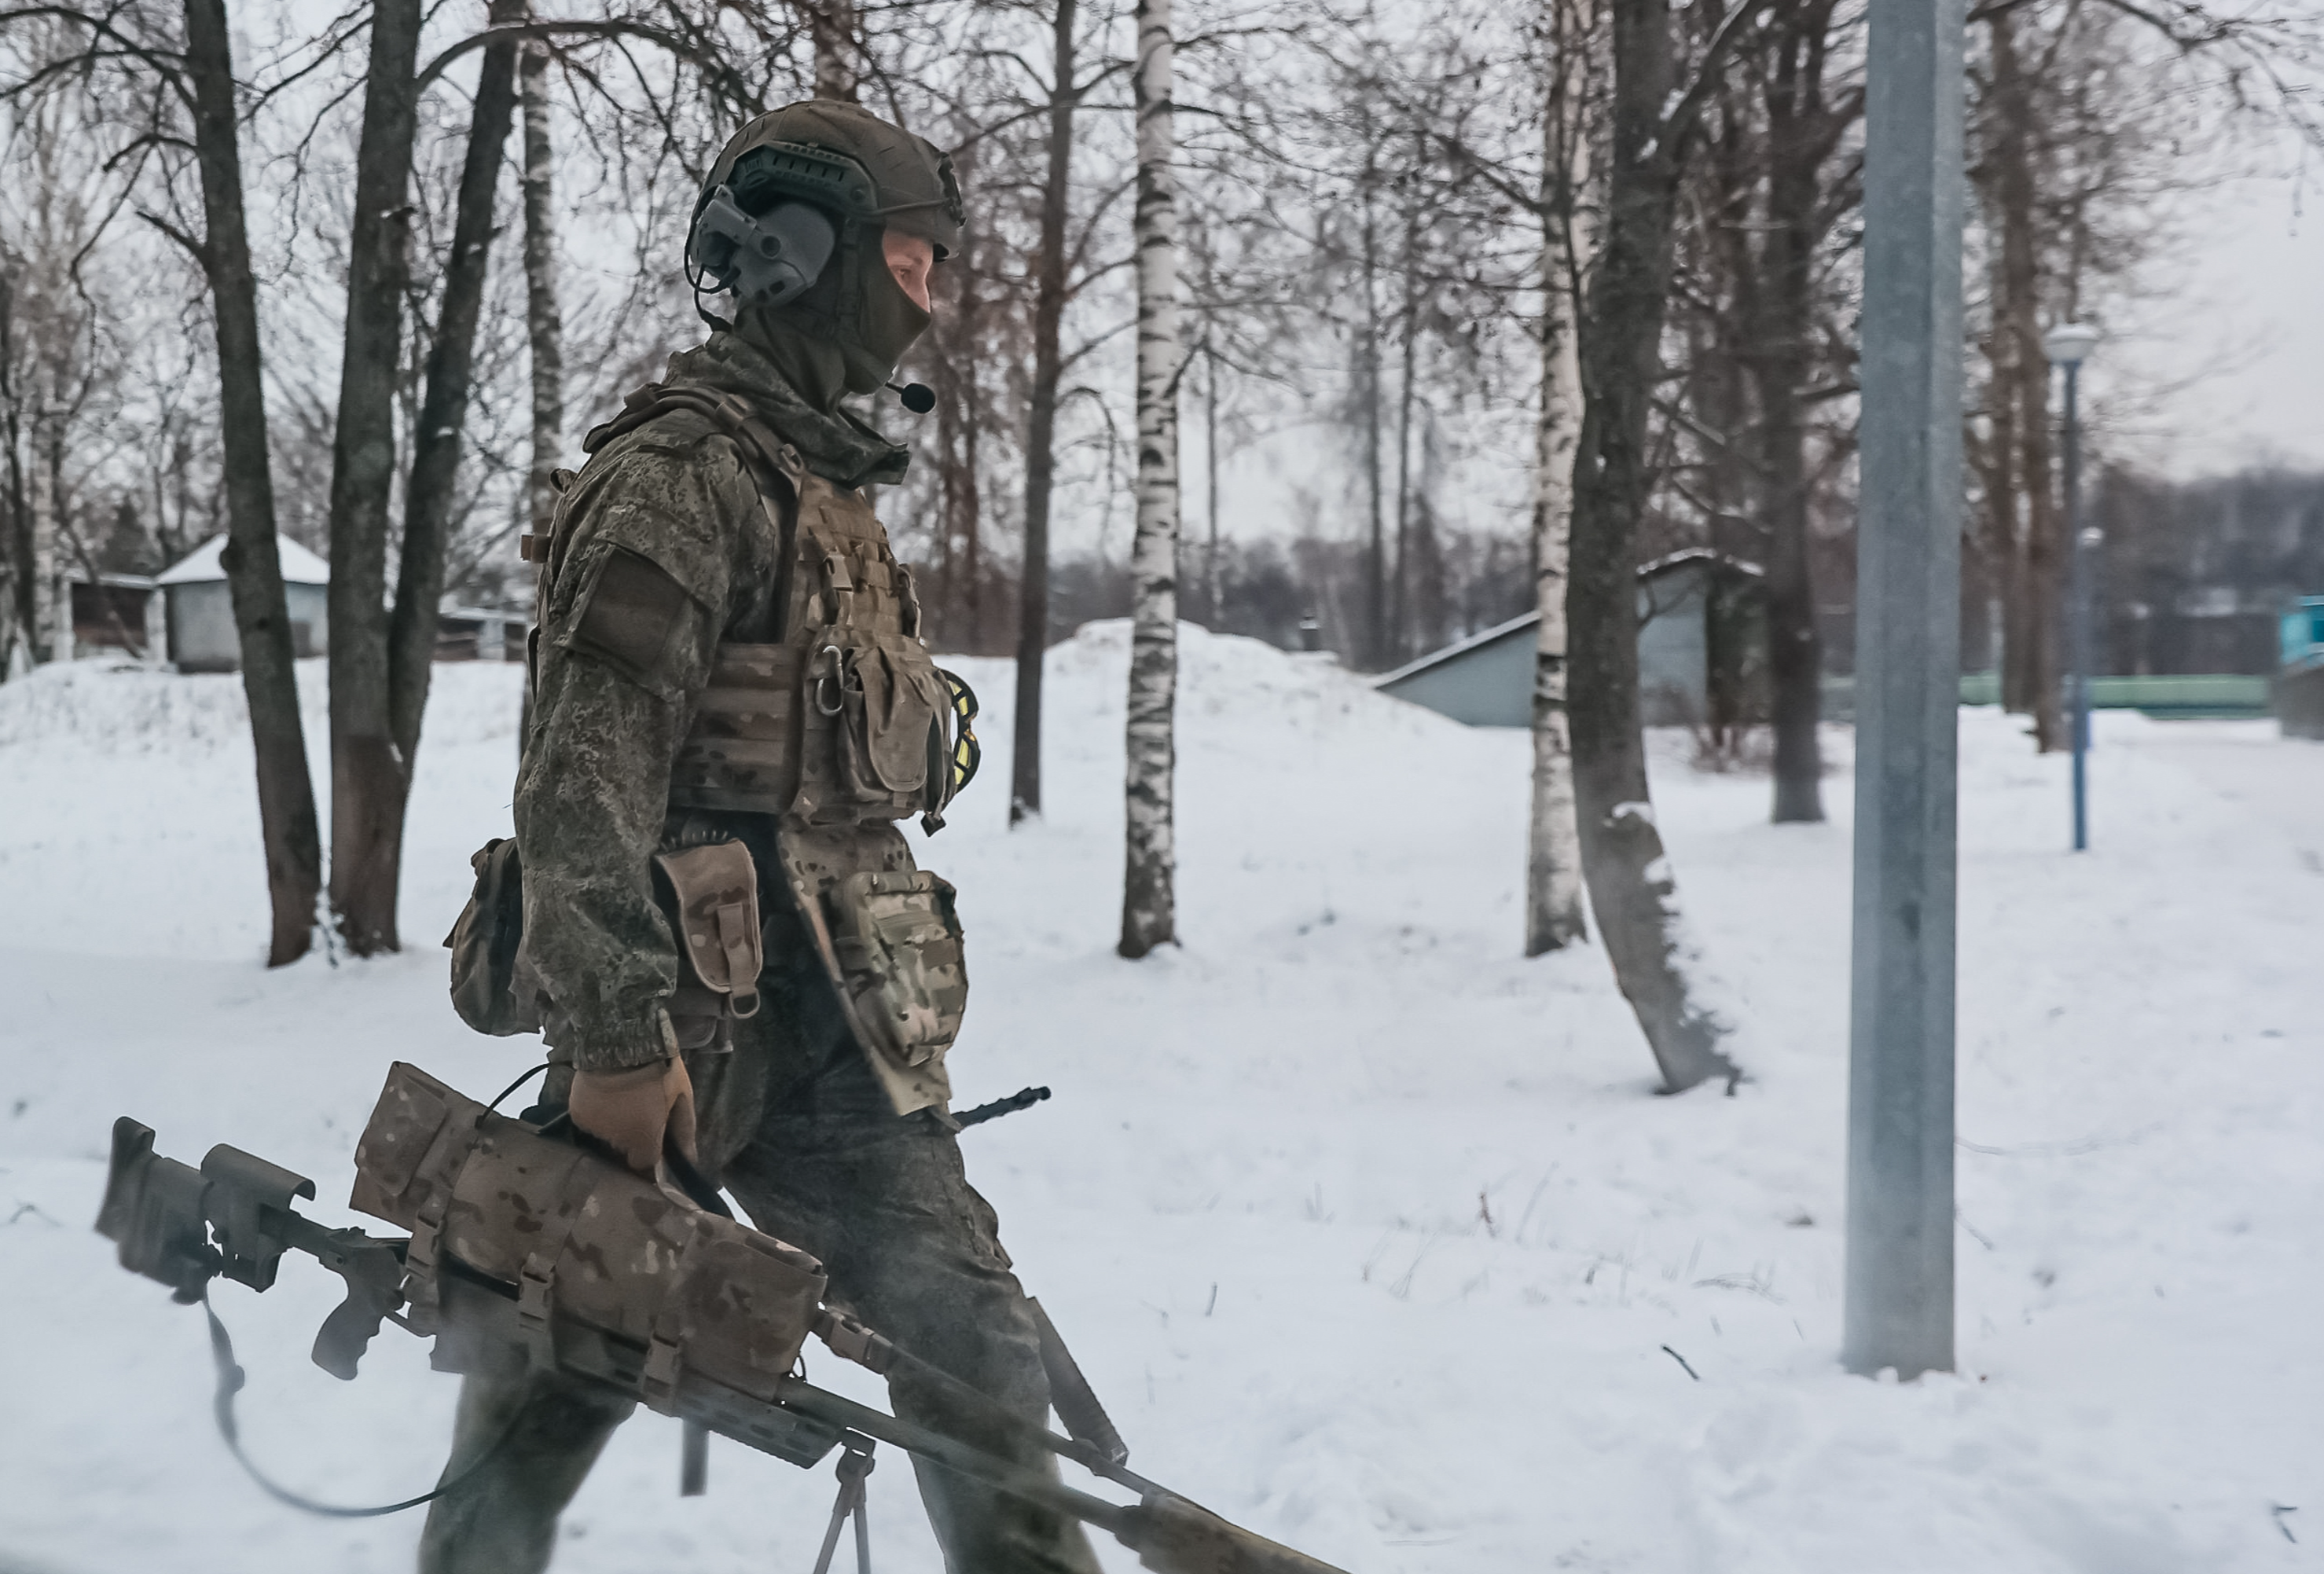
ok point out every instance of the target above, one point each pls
(529, 1249)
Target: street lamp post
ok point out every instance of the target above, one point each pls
(2067, 345)
(1899, 1310)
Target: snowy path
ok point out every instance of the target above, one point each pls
(1368, 1231)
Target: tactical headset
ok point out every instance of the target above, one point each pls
(766, 233)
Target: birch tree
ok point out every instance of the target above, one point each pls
(1553, 906)
(544, 322)
(1148, 900)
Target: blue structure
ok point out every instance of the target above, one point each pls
(1486, 680)
(2304, 633)
(2300, 684)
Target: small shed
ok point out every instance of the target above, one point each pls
(466, 633)
(115, 611)
(202, 635)
(1690, 606)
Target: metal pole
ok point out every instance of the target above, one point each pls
(1900, 1096)
(2080, 568)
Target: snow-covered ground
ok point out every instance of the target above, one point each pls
(1369, 1231)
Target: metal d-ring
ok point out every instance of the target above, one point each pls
(836, 681)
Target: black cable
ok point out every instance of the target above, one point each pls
(519, 1083)
(230, 1381)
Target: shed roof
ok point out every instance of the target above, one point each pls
(1648, 572)
(201, 566)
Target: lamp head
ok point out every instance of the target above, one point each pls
(2070, 343)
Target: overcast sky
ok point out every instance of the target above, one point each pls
(2239, 348)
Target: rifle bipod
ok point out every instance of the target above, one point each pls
(855, 1465)
(528, 1250)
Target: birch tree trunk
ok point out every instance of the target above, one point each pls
(287, 822)
(1631, 888)
(1553, 908)
(544, 324)
(1148, 899)
(1050, 277)
(368, 774)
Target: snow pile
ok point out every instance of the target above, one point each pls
(1368, 1231)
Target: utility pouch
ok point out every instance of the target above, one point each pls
(890, 939)
(713, 904)
(891, 700)
(485, 944)
(897, 940)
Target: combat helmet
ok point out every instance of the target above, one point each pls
(790, 220)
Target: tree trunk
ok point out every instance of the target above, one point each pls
(1799, 138)
(544, 324)
(1041, 425)
(1553, 908)
(443, 413)
(287, 822)
(1368, 389)
(1399, 620)
(959, 442)
(48, 583)
(2034, 580)
(1150, 869)
(837, 33)
(2044, 581)
(1630, 884)
(1210, 489)
(20, 619)
(1996, 459)
(369, 776)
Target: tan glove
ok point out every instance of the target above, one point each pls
(630, 1109)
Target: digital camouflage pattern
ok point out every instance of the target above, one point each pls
(670, 512)
(823, 1112)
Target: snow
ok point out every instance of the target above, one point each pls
(1370, 1232)
(205, 562)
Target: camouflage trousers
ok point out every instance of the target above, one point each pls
(910, 1249)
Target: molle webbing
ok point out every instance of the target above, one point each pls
(842, 718)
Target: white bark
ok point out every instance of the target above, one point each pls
(1553, 906)
(544, 325)
(1148, 904)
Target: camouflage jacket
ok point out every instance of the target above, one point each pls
(592, 798)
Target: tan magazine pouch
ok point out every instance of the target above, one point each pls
(714, 907)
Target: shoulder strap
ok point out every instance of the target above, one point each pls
(775, 467)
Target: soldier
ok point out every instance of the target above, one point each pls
(724, 934)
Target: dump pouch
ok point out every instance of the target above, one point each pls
(485, 944)
(889, 937)
(898, 943)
